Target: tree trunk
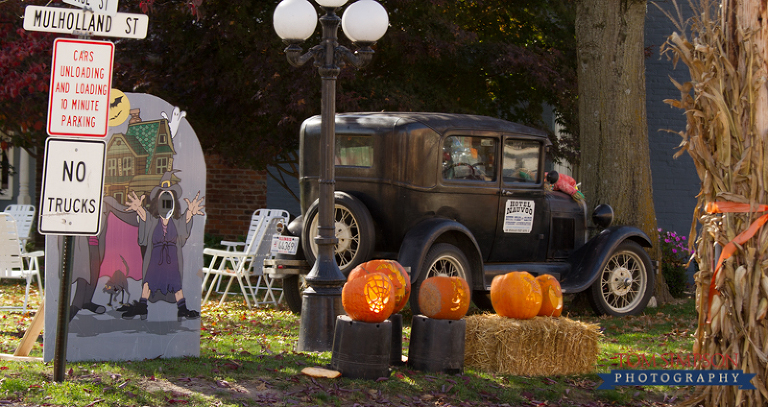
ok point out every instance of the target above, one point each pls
(727, 137)
(615, 159)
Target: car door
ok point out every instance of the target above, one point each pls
(522, 227)
(469, 190)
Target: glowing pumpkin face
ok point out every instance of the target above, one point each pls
(552, 296)
(516, 295)
(443, 297)
(369, 298)
(400, 278)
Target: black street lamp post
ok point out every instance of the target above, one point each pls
(364, 22)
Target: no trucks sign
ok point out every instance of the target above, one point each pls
(81, 78)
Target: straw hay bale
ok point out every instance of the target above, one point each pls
(541, 346)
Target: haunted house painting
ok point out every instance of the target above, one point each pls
(111, 316)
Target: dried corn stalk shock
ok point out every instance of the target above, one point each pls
(726, 106)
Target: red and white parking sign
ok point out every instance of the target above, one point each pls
(81, 78)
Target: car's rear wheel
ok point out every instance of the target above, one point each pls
(353, 227)
(626, 282)
(442, 259)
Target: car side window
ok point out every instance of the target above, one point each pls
(521, 161)
(469, 158)
(354, 150)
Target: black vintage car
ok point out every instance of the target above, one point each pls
(460, 195)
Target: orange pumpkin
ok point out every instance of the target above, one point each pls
(443, 297)
(369, 298)
(394, 271)
(552, 296)
(516, 295)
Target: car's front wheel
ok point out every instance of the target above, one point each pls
(442, 259)
(626, 282)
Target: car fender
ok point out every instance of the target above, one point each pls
(294, 229)
(421, 237)
(587, 262)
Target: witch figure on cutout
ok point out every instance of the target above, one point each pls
(164, 229)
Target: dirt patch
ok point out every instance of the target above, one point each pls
(185, 387)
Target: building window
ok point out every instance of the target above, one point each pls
(7, 171)
(119, 197)
(127, 166)
(161, 139)
(112, 167)
(162, 165)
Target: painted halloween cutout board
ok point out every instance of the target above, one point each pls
(136, 287)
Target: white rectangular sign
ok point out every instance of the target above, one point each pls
(97, 6)
(284, 244)
(81, 78)
(73, 186)
(518, 216)
(76, 21)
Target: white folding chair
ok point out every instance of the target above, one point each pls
(13, 262)
(24, 215)
(241, 265)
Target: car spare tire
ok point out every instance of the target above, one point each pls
(353, 227)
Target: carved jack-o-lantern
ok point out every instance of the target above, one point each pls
(552, 296)
(369, 298)
(516, 295)
(443, 297)
(394, 271)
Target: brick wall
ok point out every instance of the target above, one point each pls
(232, 194)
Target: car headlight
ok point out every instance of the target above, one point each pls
(602, 216)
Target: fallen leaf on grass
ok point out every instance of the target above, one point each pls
(321, 372)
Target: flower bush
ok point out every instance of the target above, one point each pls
(674, 256)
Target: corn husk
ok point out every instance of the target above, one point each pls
(726, 135)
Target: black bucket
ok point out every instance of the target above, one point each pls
(361, 349)
(437, 345)
(396, 350)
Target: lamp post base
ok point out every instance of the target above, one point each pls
(319, 309)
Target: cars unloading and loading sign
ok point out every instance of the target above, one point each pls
(73, 185)
(81, 77)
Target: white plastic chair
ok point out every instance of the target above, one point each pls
(13, 262)
(24, 215)
(241, 265)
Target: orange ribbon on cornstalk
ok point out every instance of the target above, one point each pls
(730, 248)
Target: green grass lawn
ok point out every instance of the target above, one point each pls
(248, 358)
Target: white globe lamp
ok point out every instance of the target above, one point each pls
(295, 20)
(365, 21)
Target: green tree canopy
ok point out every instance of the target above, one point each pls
(221, 61)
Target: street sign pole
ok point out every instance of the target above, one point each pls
(62, 324)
